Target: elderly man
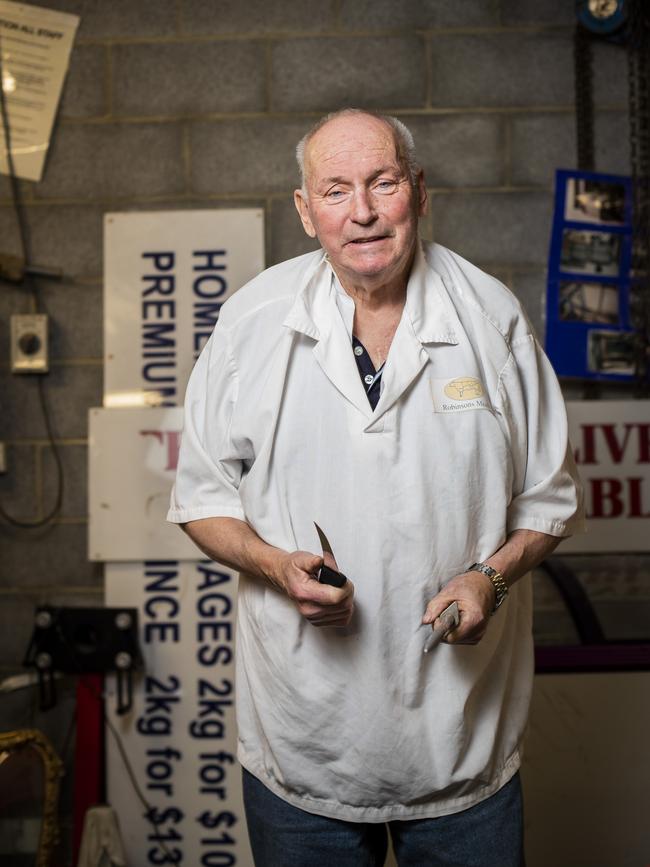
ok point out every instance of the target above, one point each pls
(393, 393)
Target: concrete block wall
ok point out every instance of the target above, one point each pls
(199, 103)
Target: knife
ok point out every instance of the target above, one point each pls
(449, 619)
(327, 575)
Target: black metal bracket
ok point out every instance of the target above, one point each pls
(84, 641)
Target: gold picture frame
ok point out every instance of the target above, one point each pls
(52, 772)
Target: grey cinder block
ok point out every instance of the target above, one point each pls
(68, 237)
(540, 144)
(245, 156)
(543, 143)
(13, 299)
(200, 77)
(107, 161)
(325, 74)
(18, 491)
(69, 391)
(421, 14)
(60, 557)
(121, 17)
(502, 69)
(74, 461)
(62, 236)
(76, 320)
(458, 150)
(495, 227)
(84, 93)
(287, 237)
(555, 12)
(205, 17)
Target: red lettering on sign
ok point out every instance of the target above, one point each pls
(617, 443)
(644, 444)
(171, 439)
(606, 500)
(616, 498)
(616, 449)
(636, 499)
(588, 455)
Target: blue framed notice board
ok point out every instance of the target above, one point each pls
(588, 329)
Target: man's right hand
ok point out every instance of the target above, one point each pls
(235, 544)
(321, 604)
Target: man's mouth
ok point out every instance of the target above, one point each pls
(370, 240)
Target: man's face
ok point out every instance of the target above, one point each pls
(360, 202)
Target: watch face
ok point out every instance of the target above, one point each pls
(603, 8)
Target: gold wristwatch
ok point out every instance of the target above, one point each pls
(497, 579)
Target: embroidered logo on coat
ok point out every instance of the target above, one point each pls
(458, 394)
(464, 388)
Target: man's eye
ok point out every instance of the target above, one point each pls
(385, 185)
(334, 194)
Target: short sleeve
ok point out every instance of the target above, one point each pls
(547, 494)
(209, 469)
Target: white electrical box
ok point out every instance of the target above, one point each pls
(29, 343)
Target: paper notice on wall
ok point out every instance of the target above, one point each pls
(35, 45)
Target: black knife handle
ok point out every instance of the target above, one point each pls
(331, 576)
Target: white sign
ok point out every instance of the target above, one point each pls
(166, 275)
(35, 46)
(133, 455)
(611, 444)
(180, 737)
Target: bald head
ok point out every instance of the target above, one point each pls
(399, 135)
(360, 199)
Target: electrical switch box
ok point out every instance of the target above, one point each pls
(29, 343)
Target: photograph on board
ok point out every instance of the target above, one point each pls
(593, 201)
(611, 352)
(585, 252)
(589, 302)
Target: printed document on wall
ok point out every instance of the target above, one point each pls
(35, 45)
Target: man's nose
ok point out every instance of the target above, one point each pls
(363, 209)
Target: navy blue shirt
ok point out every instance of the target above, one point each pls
(370, 377)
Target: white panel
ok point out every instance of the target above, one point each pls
(166, 275)
(133, 460)
(611, 442)
(180, 737)
(132, 463)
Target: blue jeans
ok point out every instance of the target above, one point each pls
(489, 834)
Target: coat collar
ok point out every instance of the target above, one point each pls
(427, 318)
(426, 306)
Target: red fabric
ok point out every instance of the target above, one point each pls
(89, 751)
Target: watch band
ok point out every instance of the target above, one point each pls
(497, 579)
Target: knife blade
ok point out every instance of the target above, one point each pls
(326, 574)
(449, 619)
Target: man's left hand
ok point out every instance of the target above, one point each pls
(475, 596)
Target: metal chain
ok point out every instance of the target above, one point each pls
(584, 91)
(584, 97)
(639, 101)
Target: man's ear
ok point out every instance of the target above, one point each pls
(302, 207)
(423, 197)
